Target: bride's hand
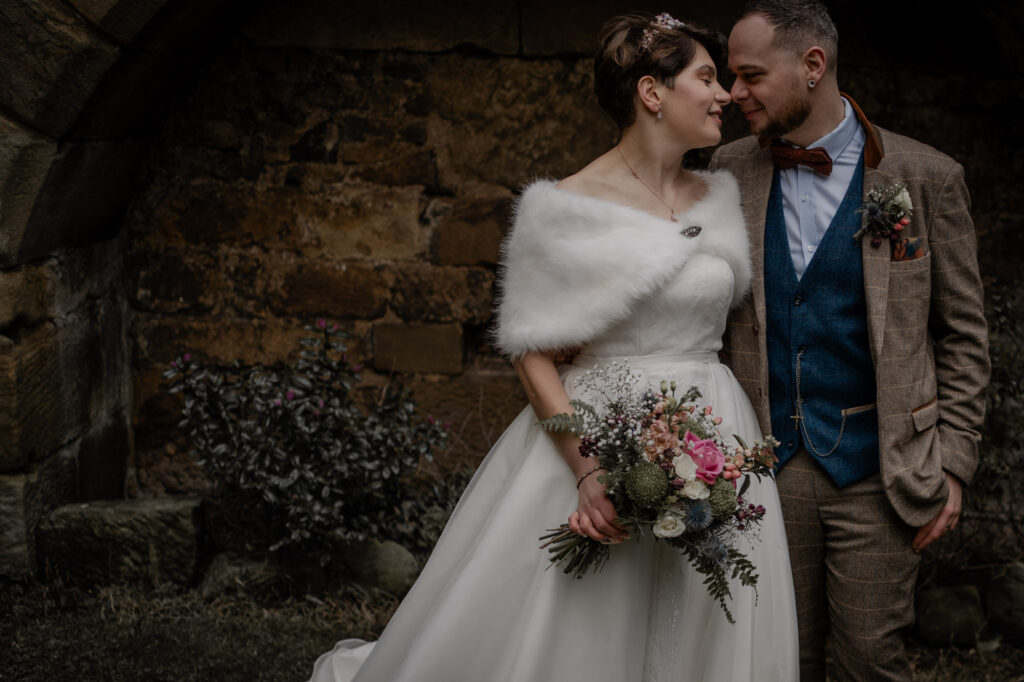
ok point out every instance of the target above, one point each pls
(595, 515)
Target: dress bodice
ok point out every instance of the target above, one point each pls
(687, 314)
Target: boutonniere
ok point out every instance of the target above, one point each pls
(886, 213)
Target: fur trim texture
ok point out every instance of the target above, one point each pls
(572, 265)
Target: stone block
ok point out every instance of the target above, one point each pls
(24, 499)
(103, 460)
(25, 159)
(12, 457)
(52, 61)
(430, 26)
(384, 565)
(175, 280)
(417, 168)
(446, 294)
(229, 573)
(122, 19)
(363, 223)
(27, 294)
(950, 615)
(428, 348)
(346, 291)
(150, 541)
(469, 231)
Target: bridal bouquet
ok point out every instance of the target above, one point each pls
(663, 460)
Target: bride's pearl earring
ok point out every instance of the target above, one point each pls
(811, 84)
(658, 116)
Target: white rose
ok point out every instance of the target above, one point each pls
(696, 490)
(903, 200)
(669, 525)
(685, 467)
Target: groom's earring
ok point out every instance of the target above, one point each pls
(811, 84)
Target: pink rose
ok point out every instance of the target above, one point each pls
(709, 459)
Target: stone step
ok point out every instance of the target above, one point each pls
(114, 541)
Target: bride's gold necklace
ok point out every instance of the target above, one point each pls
(671, 209)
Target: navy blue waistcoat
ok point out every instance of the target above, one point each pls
(821, 319)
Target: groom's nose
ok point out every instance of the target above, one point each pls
(738, 91)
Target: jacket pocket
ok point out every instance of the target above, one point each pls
(850, 411)
(926, 415)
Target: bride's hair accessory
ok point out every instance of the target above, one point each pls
(662, 22)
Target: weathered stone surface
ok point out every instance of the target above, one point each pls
(52, 61)
(27, 294)
(428, 348)
(12, 457)
(25, 159)
(950, 615)
(83, 199)
(176, 280)
(152, 541)
(429, 294)
(24, 499)
(228, 573)
(385, 565)
(332, 290)
(1004, 597)
(479, 404)
(103, 460)
(392, 24)
(468, 231)
(122, 19)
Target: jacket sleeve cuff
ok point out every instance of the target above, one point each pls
(959, 453)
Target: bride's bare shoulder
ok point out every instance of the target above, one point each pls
(593, 180)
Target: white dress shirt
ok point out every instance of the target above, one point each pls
(810, 200)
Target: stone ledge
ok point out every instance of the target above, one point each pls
(151, 541)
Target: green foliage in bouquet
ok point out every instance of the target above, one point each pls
(328, 468)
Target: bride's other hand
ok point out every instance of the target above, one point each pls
(595, 515)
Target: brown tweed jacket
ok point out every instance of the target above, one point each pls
(927, 329)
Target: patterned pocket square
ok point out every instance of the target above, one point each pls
(907, 248)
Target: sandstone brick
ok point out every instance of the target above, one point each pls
(429, 348)
(392, 24)
(333, 290)
(152, 541)
(429, 294)
(470, 232)
(418, 168)
(12, 457)
(25, 159)
(52, 61)
(175, 280)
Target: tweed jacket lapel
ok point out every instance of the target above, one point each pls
(755, 189)
(875, 259)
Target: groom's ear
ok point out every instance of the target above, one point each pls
(815, 63)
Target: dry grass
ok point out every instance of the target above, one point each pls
(129, 633)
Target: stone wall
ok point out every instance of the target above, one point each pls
(349, 161)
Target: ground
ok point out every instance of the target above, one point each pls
(125, 633)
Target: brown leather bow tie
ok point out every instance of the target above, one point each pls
(816, 159)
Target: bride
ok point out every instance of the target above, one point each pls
(635, 259)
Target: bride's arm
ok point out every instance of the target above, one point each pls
(547, 396)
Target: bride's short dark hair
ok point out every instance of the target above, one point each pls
(638, 45)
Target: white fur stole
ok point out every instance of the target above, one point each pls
(573, 265)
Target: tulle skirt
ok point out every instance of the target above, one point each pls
(486, 607)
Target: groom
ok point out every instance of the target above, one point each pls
(866, 359)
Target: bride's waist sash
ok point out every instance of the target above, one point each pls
(588, 361)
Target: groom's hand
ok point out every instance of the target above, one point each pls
(947, 518)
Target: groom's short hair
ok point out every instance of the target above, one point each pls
(799, 25)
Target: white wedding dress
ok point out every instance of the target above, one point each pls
(485, 608)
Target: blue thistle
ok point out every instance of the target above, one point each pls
(714, 549)
(698, 515)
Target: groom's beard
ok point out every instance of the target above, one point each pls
(792, 117)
